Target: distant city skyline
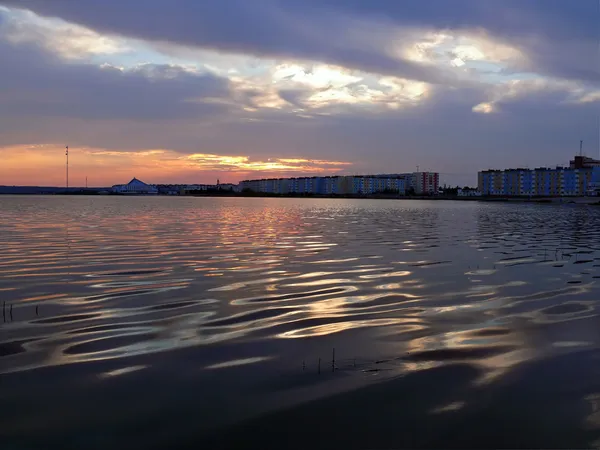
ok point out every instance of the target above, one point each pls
(239, 90)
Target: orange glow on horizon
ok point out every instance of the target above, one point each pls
(44, 165)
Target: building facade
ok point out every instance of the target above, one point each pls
(425, 183)
(583, 162)
(541, 182)
(344, 185)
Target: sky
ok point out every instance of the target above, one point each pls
(192, 91)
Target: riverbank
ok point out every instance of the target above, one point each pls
(4, 190)
(565, 200)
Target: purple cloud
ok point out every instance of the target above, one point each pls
(323, 30)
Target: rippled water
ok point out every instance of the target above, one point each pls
(158, 321)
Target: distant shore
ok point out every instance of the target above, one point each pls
(104, 192)
(25, 190)
(564, 200)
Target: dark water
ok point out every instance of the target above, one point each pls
(200, 323)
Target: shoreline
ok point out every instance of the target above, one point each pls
(489, 199)
(549, 200)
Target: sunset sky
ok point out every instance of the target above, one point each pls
(194, 90)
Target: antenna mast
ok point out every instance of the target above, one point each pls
(580, 148)
(67, 154)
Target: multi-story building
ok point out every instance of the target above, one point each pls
(541, 182)
(491, 182)
(527, 183)
(583, 162)
(425, 183)
(340, 185)
(511, 180)
(593, 187)
(330, 184)
(571, 183)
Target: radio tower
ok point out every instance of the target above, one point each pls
(67, 154)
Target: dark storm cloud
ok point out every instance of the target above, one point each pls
(36, 83)
(560, 37)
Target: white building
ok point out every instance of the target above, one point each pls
(135, 186)
(468, 193)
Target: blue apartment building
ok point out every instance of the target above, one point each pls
(541, 182)
(527, 183)
(332, 185)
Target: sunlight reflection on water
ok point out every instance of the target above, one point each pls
(106, 260)
(101, 279)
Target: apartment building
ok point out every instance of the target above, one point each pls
(425, 183)
(342, 185)
(541, 182)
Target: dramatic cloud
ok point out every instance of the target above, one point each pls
(350, 33)
(68, 40)
(287, 86)
(562, 91)
(263, 29)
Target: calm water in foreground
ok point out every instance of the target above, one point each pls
(200, 323)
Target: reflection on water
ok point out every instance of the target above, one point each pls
(162, 291)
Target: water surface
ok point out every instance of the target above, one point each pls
(160, 322)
